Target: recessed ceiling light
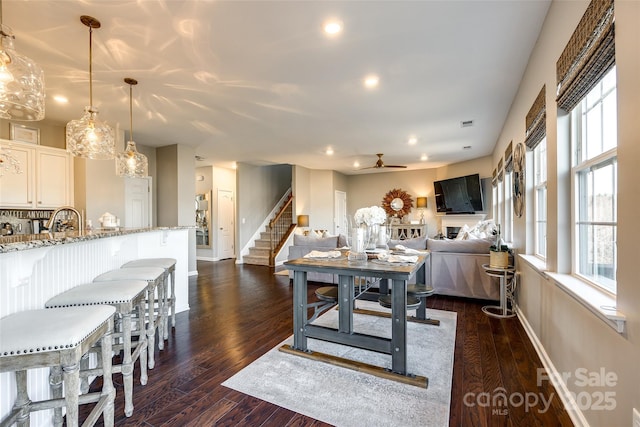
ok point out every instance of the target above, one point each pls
(332, 27)
(424, 157)
(371, 81)
(356, 164)
(60, 99)
(329, 151)
(413, 140)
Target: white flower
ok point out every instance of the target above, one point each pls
(370, 216)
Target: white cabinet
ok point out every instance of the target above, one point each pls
(46, 181)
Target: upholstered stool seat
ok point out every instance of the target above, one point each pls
(58, 338)
(127, 297)
(412, 302)
(154, 277)
(169, 265)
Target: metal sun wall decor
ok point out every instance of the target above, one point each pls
(397, 203)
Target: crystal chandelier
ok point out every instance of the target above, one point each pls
(130, 162)
(21, 81)
(89, 137)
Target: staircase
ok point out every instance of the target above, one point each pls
(272, 239)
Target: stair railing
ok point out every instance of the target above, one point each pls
(280, 227)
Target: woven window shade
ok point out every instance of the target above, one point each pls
(508, 157)
(589, 54)
(536, 121)
(500, 171)
(494, 178)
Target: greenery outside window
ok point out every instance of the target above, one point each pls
(595, 184)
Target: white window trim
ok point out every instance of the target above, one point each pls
(593, 298)
(537, 185)
(603, 157)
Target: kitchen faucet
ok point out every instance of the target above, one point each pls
(53, 226)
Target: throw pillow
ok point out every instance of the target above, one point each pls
(417, 243)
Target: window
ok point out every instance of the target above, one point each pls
(540, 201)
(595, 183)
(507, 227)
(499, 203)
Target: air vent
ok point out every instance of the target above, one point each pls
(199, 158)
(466, 123)
(466, 147)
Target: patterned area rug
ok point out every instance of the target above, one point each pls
(344, 397)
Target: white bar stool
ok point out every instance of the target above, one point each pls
(57, 339)
(169, 265)
(154, 277)
(127, 296)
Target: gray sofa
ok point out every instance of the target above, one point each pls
(302, 245)
(454, 267)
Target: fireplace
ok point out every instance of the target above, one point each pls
(457, 221)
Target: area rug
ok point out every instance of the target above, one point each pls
(282, 273)
(343, 397)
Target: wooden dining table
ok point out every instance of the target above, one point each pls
(396, 275)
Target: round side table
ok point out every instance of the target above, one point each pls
(507, 287)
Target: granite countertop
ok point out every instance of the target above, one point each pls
(21, 242)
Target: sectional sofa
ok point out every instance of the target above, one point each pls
(454, 267)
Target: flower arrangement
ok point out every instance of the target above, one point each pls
(499, 245)
(370, 216)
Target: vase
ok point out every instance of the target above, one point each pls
(359, 240)
(372, 235)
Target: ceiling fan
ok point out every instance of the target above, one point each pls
(380, 164)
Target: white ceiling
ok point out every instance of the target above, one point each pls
(259, 82)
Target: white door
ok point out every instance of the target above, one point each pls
(225, 231)
(341, 222)
(137, 204)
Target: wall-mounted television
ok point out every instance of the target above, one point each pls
(462, 195)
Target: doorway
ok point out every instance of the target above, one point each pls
(340, 221)
(226, 230)
(137, 202)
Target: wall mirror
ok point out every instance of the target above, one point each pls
(203, 219)
(397, 203)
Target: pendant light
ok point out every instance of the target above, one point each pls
(89, 137)
(21, 81)
(130, 162)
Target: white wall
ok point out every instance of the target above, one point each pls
(571, 335)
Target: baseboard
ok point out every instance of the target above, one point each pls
(206, 258)
(576, 415)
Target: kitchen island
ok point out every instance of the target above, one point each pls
(34, 268)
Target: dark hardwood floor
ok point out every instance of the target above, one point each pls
(240, 312)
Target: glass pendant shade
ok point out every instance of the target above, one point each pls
(90, 138)
(8, 162)
(131, 163)
(21, 82)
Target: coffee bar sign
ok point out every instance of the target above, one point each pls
(24, 133)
